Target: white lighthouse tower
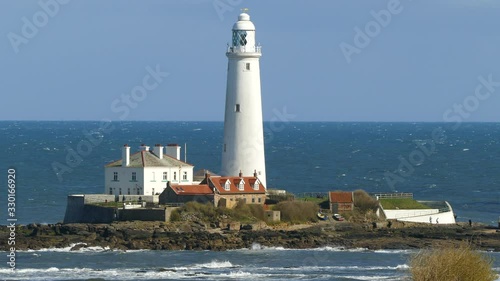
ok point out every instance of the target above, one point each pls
(243, 148)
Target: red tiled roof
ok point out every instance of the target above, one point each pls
(341, 197)
(219, 183)
(191, 189)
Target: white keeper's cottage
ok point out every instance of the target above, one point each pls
(147, 172)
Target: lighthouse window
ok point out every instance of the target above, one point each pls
(248, 66)
(239, 37)
(237, 107)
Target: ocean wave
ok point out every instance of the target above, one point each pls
(399, 267)
(394, 251)
(71, 249)
(259, 247)
(372, 278)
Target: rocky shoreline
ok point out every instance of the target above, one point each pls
(200, 236)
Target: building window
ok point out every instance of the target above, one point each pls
(227, 185)
(259, 200)
(175, 176)
(115, 176)
(153, 175)
(120, 191)
(256, 185)
(247, 66)
(185, 175)
(165, 176)
(128, 192)
(253, 200)
(134, 176)
(152, 191)
(241, 185)
(237, 108)
(110, 191)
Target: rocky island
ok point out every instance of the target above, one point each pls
(200, 236)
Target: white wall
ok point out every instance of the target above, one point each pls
(397, 214)
(146, 181)
(422, 215)
(124, 180)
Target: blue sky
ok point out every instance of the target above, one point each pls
(422, 64)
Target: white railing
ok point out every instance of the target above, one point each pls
(244, 49)
(393, 195)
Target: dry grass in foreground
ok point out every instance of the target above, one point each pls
(452, 264)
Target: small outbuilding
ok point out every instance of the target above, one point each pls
(175, 193)
(341, 201)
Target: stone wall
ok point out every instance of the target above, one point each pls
(156, 214)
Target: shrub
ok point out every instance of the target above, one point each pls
(451, 264)
(175, 215)
(359, 216)
(297, 211)
(364, 202)
(258, 211)
(205, 212)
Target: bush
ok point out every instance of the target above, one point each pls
(204, 212)
(364, 202)
(297, 211)
(452, 264)
(175, 215)
(207, 212)
(246, 212)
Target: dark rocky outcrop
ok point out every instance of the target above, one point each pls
(201, 236)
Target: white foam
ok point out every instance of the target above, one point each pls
(339, 249)
(394, 251)
(216, 264)
(83, 249)
(257, 246)
(371, 278)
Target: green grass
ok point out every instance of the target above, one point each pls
(401, 203)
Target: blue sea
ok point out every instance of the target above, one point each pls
(435, 161)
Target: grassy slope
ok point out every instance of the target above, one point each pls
(403, 203)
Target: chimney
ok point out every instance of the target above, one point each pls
(125, 155)
(255, 173)
(241, 174)
(158, 150)
(143, 147)
(174, 150)
(207, 174)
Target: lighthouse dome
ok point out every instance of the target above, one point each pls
(244, 23)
